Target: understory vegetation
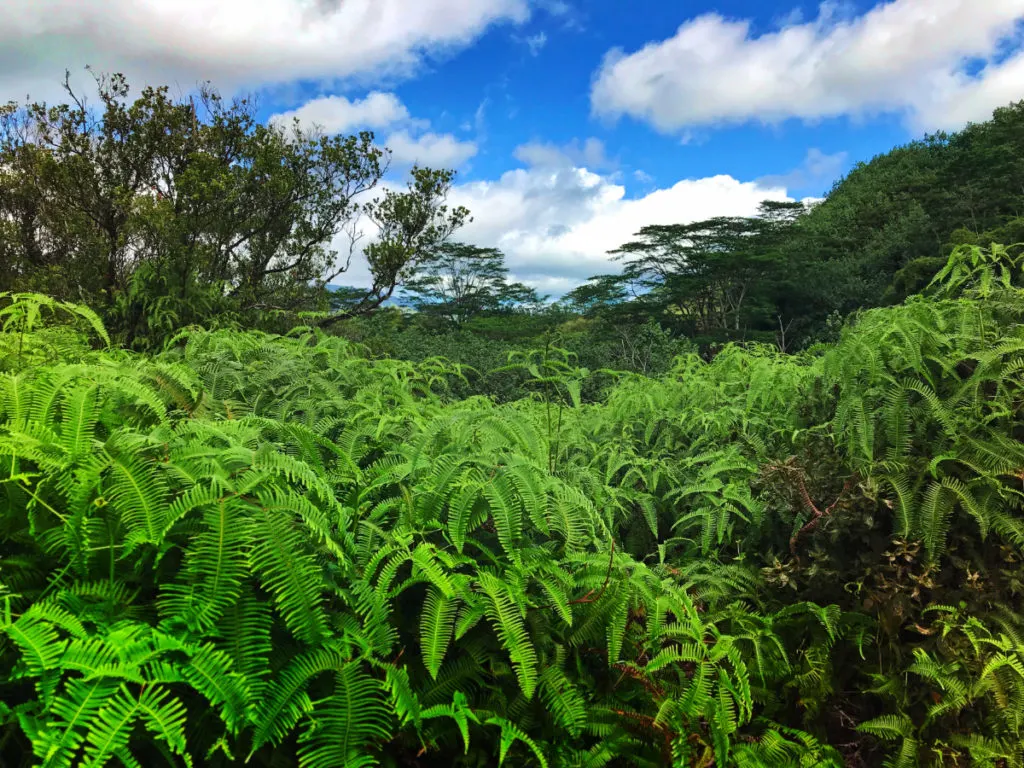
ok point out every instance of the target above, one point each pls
(272, 549)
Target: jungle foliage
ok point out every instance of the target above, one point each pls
(881, 234)
(266, 549)
(160, 211)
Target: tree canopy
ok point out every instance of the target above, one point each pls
(162, 212)
(880, 235)
(457, 282)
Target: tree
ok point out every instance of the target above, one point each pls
(411, 225)
(458, 282)
(163, 212)
(887, 227)
(720, 279)
(713, 277)
(599, 295)
(881, 234)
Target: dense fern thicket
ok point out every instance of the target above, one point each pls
(271, 550)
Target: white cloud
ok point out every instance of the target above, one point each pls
(234, 43)
(902, 56)
(642, 176)
(536, 43)
(590, 154)
(960, 99)
(430, 149)
(817, 170)
(570, 16)
(556, 7)
(336, 114)
(556, 225)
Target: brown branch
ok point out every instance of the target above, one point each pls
(645, 720)
(640, 676)
(816, 514)
(590, 597)
(650, 724)
(368, 304)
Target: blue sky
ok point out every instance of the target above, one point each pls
(531, 83)
(571, 122)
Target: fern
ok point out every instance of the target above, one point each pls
(343, 725)
(437, 622)
(511, 630)
(274, 549)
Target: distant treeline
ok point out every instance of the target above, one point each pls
(880, 235)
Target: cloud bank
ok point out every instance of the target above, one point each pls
(409, 141)
(429, 149)
(337, 114)
(232, 42)
(906, 56)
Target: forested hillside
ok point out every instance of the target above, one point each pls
(880, 235)
(694, 515)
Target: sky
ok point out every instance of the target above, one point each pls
(571, 123)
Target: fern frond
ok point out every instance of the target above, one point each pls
(285, 700)
(511, 629)
(511, 733)
(353, 716)
(437, 622)
(282, 562)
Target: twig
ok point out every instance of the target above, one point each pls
(589, 597)
(817, 514)
(640, 676)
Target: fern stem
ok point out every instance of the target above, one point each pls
(32, 493)
(587, 597)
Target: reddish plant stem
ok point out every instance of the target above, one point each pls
(590, 597)
(816, 514)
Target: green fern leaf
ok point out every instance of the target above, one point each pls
(286, 568)
(356, 714)
(511, 733)
(511, 629)
(437, 622)
(76, 708)
(285, 700)
(889, 727)
(111, 728)
(563, 700)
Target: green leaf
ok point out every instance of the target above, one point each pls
(437, 622)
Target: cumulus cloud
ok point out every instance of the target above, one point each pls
(556, 225)
(589, 154)
(232, 42)
(960, 99)
(337, 114)
(904, 56)
(436, 150)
